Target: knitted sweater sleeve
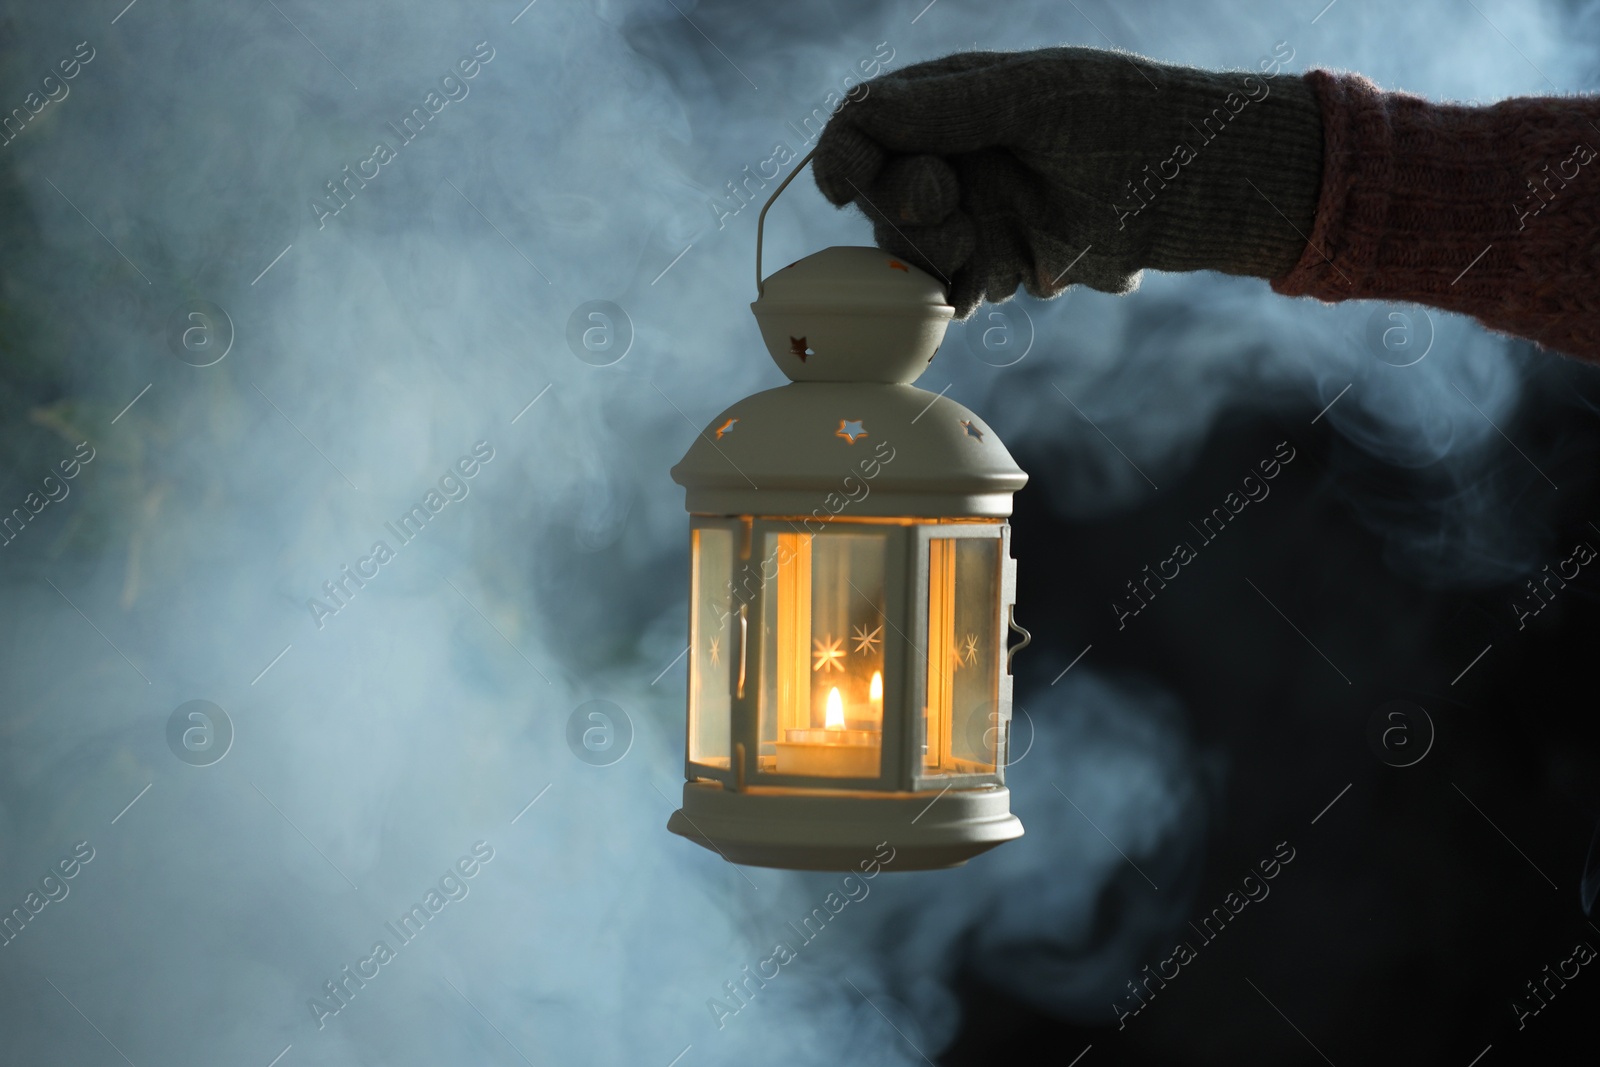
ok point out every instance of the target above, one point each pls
(1491, 211)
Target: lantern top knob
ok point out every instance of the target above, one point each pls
(848, 314)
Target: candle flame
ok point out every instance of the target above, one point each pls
(835, 712)
(876, 691)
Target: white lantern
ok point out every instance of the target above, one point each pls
(851, 590)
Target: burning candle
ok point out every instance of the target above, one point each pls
(834, 751)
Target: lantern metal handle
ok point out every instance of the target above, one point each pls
(1027, 638)
(761, 220)
(744, 643)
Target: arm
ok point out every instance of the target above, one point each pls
(1492, 211)
(1070, 166)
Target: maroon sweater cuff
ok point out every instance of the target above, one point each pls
(1492, 211)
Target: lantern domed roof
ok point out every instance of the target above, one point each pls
(849, 450)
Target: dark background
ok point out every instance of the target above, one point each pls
(1407, 924)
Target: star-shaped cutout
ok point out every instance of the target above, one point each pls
(798, 347)
(867, 643)
(725, 428)
(716, 650)
(830, 654)
(895, 264)
(969, 649)
(972, 431)
(850, 429)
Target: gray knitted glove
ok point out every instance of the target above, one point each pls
(1062, 165)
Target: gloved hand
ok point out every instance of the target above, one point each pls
(1063, 165)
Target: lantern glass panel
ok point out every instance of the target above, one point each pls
(711, 642)
(822, 632)
(962, 734)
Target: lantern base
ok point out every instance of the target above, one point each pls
(828, 830)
